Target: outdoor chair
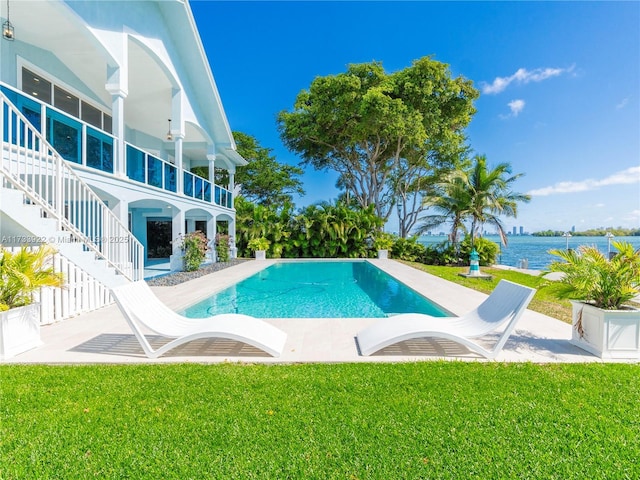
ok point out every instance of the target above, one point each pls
(505, 305)
(142, 309)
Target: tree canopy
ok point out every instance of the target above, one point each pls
(265, 180)
(379, 131)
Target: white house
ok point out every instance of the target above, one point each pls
(106, 108)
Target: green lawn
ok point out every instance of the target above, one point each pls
(332, 421)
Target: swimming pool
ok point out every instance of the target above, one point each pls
(327, 289)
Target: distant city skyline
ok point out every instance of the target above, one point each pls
(559, 83)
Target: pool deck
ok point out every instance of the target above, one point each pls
(103, 336)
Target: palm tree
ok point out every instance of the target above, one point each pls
(491, 195)
(450, 200)
(477, 193)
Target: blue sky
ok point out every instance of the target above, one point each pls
(559, 82)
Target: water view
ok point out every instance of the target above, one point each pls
(534, 250)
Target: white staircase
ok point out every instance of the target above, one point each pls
(43, 197)
(35, 228)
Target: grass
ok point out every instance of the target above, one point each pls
(445, 420)
(542, 302)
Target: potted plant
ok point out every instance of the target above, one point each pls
(383, 243)
(600, 290)
(21, 274)
(259, 246)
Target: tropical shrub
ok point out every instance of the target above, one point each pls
(222, 247)
(444, 253)
(487, 250)
(25, 271)
(408, 249)
(194, 247)
(589, 277)
(318, 231)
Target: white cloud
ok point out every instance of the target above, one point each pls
(624, 177)
(623, 103)
(522, 76)
(633, 216)
(516, 106)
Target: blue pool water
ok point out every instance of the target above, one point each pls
(316, 290)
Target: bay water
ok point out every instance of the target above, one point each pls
(527, 251)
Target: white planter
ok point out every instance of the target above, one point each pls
(261, 254)
(609, 334)
(383, 254)
(19, 330)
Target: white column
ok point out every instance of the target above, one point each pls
(233, 250)
(118, 87)
(117, 114)
(231, 186)
(177, 232)
(211, 237)
(212, 166)
(177, 123)
(178, 139)
(121, 210)
(117, 248)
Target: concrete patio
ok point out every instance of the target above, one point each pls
(103, 336)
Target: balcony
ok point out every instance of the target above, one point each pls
(87, 145)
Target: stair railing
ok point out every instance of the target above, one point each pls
(32, 165)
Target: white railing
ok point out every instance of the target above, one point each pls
(31, 164)
(81, 293)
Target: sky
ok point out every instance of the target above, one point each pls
(559, 87)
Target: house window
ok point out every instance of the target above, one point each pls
(91, 115)
(36, 86)
(201, 226)
(107, 124)
(66, 102)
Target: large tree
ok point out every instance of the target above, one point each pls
(264, 180)
(491, 195)
(365, 123)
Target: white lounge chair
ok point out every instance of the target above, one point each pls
(506, 304)
(142, 308)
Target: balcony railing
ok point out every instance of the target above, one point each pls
(82, 144)
(31, 165)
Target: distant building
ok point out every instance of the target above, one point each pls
(521, 230)
(514, 231)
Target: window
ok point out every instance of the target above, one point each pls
(66, 102)
(36, 86)
(91, 115)
(108, 123)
